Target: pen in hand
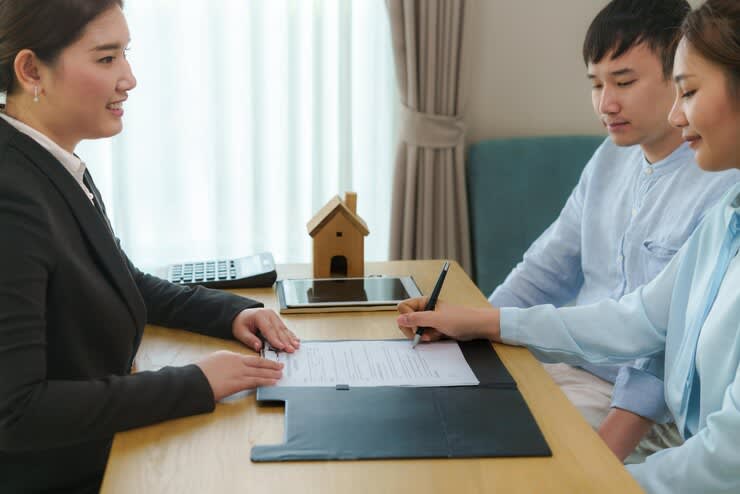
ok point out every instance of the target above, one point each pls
(432, 301)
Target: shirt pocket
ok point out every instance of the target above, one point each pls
(655, 256)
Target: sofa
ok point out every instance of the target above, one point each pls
(516, 188)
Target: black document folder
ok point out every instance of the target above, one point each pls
(487, 420)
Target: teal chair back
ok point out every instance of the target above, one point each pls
(516, 189)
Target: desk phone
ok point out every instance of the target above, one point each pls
(245, 272)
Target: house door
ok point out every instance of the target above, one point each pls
(338, 266)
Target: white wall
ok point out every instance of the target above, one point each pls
(528, 77)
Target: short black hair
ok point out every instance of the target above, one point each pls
(623, 24)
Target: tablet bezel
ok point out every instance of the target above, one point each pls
(407, 282)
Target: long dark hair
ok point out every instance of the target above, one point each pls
(713, 30)
(45, 27)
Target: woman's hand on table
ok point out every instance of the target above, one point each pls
(265, 321)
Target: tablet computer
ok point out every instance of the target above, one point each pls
(344, 294)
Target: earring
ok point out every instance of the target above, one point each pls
(35, 94)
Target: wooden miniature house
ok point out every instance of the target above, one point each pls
(338, 239)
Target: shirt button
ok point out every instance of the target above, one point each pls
(634, 211)
(649, 170)
(620, 258)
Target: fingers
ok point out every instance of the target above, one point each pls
(269, 324)
(229, 372)
(250, 339)
(412, 305)
(275, 331)
(260, 372)
(416, 319)
(407, 332)
(408, 320)
(261, 363)
(429, 333)
(257, 382)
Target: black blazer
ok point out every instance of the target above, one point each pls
(72, 313)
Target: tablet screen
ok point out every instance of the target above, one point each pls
(358, 290)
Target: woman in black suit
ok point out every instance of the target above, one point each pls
(72, 305)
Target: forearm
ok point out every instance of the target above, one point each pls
(539, 280)
(639, 388)
(581, 334)
(550, 271)
(57, 413)
(196, 309)
(622, 431)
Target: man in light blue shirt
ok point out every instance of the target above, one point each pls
(638, 200)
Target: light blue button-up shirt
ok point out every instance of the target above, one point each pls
(621, 225)
(656, 319)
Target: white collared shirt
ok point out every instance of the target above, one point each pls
(72, 163)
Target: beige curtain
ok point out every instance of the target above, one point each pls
(429, 210)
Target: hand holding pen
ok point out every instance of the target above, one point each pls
(431, 319)
(432, 302)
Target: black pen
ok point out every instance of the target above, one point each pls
(432, 301)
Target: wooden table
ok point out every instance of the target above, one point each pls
(210, 453)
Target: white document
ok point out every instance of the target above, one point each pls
(374, 363)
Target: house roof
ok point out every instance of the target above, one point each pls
(331, 208)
